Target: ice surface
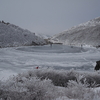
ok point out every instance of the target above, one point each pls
(17, 59)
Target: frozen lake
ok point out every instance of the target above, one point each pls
(17, 59)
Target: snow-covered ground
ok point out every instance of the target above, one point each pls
(17, 59)
(55, 60)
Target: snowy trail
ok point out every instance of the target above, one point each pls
(18, 59)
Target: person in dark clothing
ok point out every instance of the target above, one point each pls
(97, 67)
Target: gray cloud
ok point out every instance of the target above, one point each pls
(48, 16)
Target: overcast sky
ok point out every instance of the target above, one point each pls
(48, 16)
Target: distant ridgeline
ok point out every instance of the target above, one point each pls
(84, 34)
(4, 22)
(12, 35)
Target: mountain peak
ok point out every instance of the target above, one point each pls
(84, 34)
(12, 35)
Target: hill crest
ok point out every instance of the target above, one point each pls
(12, 35)
(84, 34)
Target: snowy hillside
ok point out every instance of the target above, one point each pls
(43, 36)
(11, 35)
(84, 34)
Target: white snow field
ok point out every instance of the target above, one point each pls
(48, 58)
(17, 59)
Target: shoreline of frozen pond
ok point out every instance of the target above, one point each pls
(18, 59)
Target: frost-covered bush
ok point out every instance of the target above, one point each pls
(61, 77)
(79, 91)
(46, 84)
(58, 78)
(27, 89)
(92, 80)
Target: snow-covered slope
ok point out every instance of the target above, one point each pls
(11, 35)
(87, 33)
(43, 36)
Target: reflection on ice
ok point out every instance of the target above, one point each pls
(55, 48)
